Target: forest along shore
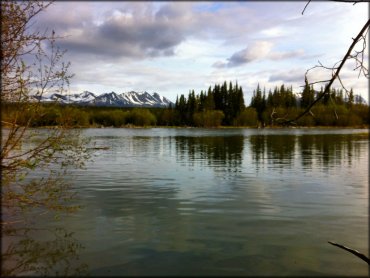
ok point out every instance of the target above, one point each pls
(220, 106)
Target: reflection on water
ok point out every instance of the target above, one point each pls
(226, 151)
(329, 150)
(325, 151)
(276, 149)
(223, 202)
(40, 251)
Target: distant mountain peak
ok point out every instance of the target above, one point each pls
(129, 99)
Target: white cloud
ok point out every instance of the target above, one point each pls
(286, 55)
(288, 77)
(255, 51)
(273, 32)
(258, 50)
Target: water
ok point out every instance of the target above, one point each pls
(223, 202)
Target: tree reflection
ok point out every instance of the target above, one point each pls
(276, 149)
(257, 146)
(327, 150)
(320, 150)
(281, 148)
(224, 151)
(38, 251)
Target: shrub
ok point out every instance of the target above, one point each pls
(141, 117)
(208, 118)
(114, 118)
(248, 117)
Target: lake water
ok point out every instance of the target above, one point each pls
(187, 201)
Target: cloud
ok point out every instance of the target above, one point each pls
(140, 36)
(292, 76)
(220, 64)
(63, 16)
(286, 55)
(257, 51)
(254, 51)
(273, 32)
(140, 30)
(124, 30)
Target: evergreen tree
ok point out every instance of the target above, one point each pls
(240, 104)
(269, 101)
(177, 102)
(209, 103)
(182, 109)
(258, 102)
(339, 97)
(225, 98)
(191, 108)
(326, 97)
(351, 99)
(202, 98)
(307, 95)
(217, 96)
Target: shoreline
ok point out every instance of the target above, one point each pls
(193, 127)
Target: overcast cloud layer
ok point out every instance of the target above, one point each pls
(172, 47)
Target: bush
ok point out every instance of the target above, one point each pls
(47, 116)
(208, 118)
(248, 117)
(73, 116)
(363, 112)
(114, 118)
(141, 117)
(167, 117)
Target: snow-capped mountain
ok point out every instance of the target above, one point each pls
(130, 99)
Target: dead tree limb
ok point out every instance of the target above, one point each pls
(306, 6)
(336, 72)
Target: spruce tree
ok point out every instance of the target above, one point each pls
(307, 95)
(351, 99)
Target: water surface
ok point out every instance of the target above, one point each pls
(223, 202)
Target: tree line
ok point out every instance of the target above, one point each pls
(335, 109)
(220, 105)
(54, 114)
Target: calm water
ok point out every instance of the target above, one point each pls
(223, 202)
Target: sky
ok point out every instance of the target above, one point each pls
(173, 47)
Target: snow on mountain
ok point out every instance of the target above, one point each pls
(129, 99)
(86, 96)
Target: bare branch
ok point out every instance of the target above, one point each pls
(306, 6)
(351, 1)
(352, 251)
(336, 71)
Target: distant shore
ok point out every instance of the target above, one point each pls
(192, 127)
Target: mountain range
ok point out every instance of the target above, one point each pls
(130, 99)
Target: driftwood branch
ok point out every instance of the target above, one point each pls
(352, 251)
